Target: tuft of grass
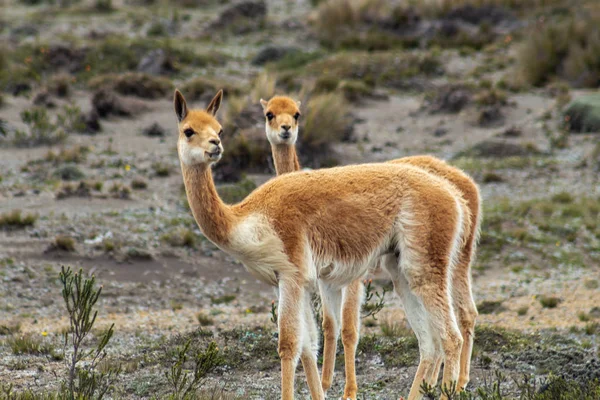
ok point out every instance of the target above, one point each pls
(521, 311)
(591, 328)
(236, 192)
(564, 48)
(225, 299)
(64, 242)
(583, 114)
(492, 177)
(180, 237)
(15, 219)
(591, 284)
(549, 301)
(563, 198)
(205, 320)
(120, 191)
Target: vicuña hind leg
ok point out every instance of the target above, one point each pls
(331, 304)
(352, 300)
(310, 346)
(467, 313)
(419, 322)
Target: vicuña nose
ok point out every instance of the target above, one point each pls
(286, 127)
(216, 142)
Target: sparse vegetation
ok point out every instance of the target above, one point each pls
(180, 237)
(64, 242)
(41, 131)
(134, 84)
(16, 219)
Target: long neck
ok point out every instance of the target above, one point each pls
(214, 217)
(285, 158)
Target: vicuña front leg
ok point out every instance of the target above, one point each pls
(352, 300)
(290, 318)
(331, 303)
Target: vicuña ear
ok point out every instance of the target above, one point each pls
(298, 103)
(215, 103)
(264, 103)
(180, 106)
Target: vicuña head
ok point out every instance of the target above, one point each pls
(199, 132)
(282, 115)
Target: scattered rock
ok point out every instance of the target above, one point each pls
(106, 102)
(272, 53)
(497, 149)
(156, 62)
(242, 17)
(583, 114)
(154, 130)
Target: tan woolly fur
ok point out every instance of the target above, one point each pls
(282, 109)
(331, 226)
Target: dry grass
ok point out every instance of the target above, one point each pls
(326, 121)
(566, 49)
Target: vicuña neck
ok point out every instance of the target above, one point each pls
(285, 158)
(214, 217)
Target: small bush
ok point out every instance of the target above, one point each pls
(521, 311)
(17, 220)
(490, 307)
(549, 301)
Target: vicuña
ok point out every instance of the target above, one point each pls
(282, 116)
(331, 225)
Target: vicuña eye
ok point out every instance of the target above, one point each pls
(270, 115)
(188, 132)
(220, 132)
(296, 116)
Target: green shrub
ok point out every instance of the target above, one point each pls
(549, 301)
(41, 131)
(583, 114)
(181, 237)
(134, 84)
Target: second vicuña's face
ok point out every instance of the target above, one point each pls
(282, 115)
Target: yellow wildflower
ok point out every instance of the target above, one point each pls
(127, 167)
(44, 333)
